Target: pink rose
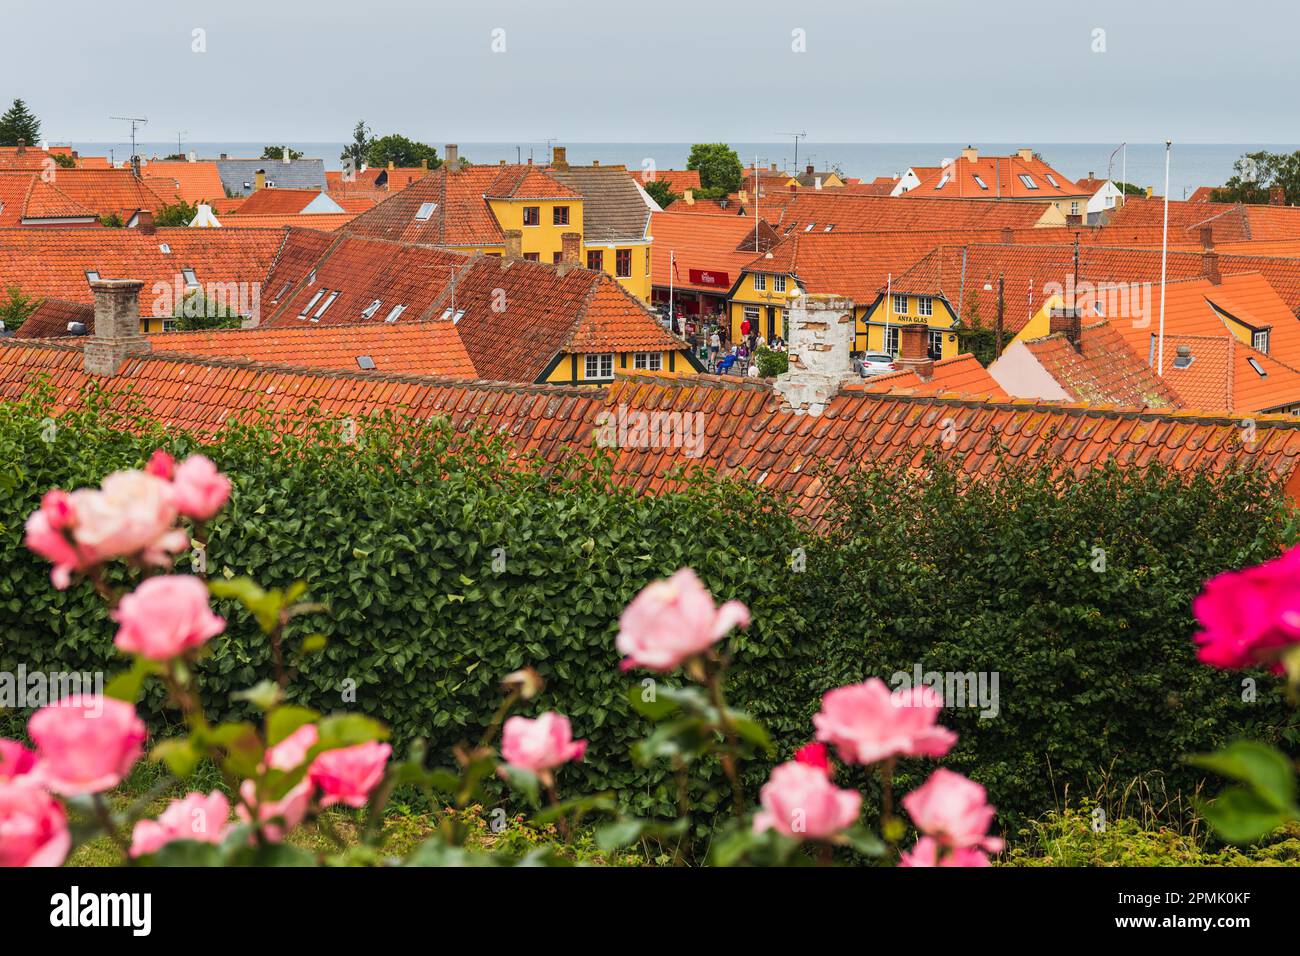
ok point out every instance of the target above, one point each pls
(927, 853)
(1249, 616)
(85, 744)
(194, 817)
(953, 810)
(540, 744)
(277, 817)
(868, 723)
(130, 514)
(33, 826)
(200, 488)
(164, 617)
(47, 534)
(814, 755)
(672, 620)
(799, 801)
(291, 752)
(161, 465)
(15, 759)
(348, 774)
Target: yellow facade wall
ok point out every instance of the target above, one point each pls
(638, 283)
(873, 320)
(746, 294)
(572, 368)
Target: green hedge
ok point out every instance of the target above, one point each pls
(398, 534)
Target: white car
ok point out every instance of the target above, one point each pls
(876, 363)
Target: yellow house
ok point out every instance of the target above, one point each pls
(760, 298)
(878, 324)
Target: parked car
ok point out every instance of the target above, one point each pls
(876, 363)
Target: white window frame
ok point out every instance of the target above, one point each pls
(1051, 179)
(979, 181)
(369, 311)
(329, 300)
(924, 305)
(943, 181)
(760, 282)
(1259, 340)
(599, 365)
(891, 340)
(312, 304)
(900, 304)
(778, 283)
(1028, 181)
(935, 344)
(395, 312)
(426, 211)
(648, 361)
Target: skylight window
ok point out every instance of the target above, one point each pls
(809, 227)
(92, 275)
(979, 181)
(393, 314)
(325, 305)
(369, 311)
(311, 277)
(454, 314)
(164, 248)
(943, 181)
(1254, 363)
(1051, 179)
(191, 280)
(366, 362)
(425, 212)
(829, 228)
(311, 305)
(1028, 181)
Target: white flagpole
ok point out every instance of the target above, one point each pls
(1164, 254)
(889, 309)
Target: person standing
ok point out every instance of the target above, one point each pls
(715, 343)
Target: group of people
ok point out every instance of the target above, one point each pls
(709, 334)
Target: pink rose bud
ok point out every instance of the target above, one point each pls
(47, 535)
(799, 801)
(867, 723)
(161, 465)
(541, 744)
(672, 620)
(33, 826)
(85, 744)
(291, 752)
(200, 489)
(194, 817)
(348, 774)
(953, 810)
(164, 617)
(15, 760)
(814, 755)
(277, 817)
(1249, 617)
(929, 852)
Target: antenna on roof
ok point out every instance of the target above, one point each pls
(180, 149)
(797, 137)
(135, 121)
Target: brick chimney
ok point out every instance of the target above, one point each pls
(914, 350)
(259, 180)
(514, 244)
(560, 157)
(808, 170)
(144, 222)
(1277, 196)
(821, 342)
(772, 167)
(1210, 266)
(1008, 235)
(1074, 220)
(1068, 323)
(451, 155)
(570, 249)
(117, 326)
(22, 146)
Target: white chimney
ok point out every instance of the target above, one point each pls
(821, 330)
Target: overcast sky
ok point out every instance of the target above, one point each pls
(664, 71)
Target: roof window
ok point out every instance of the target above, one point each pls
(329, 300)
(393, 313)
(1028, 181)
(979, 181)
(369, 311)
(311, 305)
(425, 212)
(366, 363)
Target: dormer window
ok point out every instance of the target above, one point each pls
(1259, 340)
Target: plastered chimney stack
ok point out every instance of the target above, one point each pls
(821, 329)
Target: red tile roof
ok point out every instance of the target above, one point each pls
(278, 202)
(719, 245)
(678, 180)
(323, 222)
(459, 215)
(51, 318)
(197, 182)
(961, 374)
(411, 348)
(1104, 370)
(52, 262)
(848, 211)
(106, 192)
(747, 432)
(1001, 176)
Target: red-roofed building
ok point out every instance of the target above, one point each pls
(1022, 177)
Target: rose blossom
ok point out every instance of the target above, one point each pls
(540, 744)
(15, 760)
(165, 616)
(47, 535)
(672, 620)
(953, 810)
(1249, 616)
(814, 755)
(799, 801)
(85, 745)
(161, 465)
(927, 850)
(199, 487)
(194, 817)
(131, 513)
(33, 826)
(867, 723)
(289, 810)
(348, 774)
(291, 752)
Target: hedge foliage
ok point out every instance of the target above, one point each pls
(444, 570)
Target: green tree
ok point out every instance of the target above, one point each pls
(15, 307)
(179, 213)
(63, 161)
(277, 152)
(719, 167)
(111, 221)
(17, 123)
(400, 151)
(357, 150)
(196, 313)
(1258, 174)
(662, 193)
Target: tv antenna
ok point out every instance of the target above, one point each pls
(180, 150)
(797, 137)
(135, 121)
